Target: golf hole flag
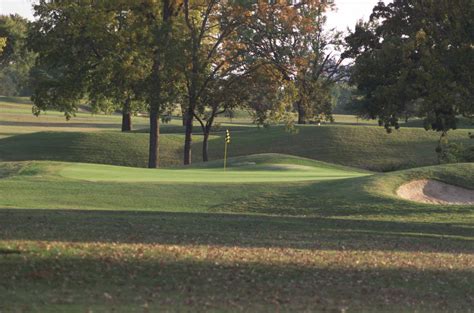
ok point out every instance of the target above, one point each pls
(227, 136)
(227, 142)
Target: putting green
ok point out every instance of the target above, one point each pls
(246, 174)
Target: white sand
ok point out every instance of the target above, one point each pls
(435, 192)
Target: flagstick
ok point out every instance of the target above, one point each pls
(225, 156)
(227, 142)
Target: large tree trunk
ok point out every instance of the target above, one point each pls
(126, 117)
(205, 146)
(188, 139)
(154, 139)
(301, 113)
(184, 118)
(156, 101)
(126, 121)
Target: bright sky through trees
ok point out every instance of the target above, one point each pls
(347, 14)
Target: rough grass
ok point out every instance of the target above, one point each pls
(368, 147)
(346, 245)
(16, 118)
(364, 147)
(96, 139)
(126, 149)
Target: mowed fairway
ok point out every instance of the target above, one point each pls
(273, 233)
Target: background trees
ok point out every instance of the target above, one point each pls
(87, 51)
(414, 58)
(277, 59)
(294, 40)
(15, 59)
(115, 53)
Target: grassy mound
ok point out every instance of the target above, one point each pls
(275, 161)
(367, 147)
(363, 147)
(126, 149)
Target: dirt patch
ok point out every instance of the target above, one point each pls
(435, 192)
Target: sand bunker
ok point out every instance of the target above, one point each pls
(435, 192)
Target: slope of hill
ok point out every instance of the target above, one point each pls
(364, 147)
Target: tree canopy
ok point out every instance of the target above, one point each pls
(295, 41)
(16, 59)
(414, 58)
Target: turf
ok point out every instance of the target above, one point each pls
(274, 233)
(367, 147)
(271, 168)
(126, 149)
(288, 246)
(327, 190)
(96, 139)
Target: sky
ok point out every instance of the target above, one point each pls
(347, 14)
(22, 7)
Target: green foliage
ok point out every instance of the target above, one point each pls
(86, 51)
(3, 43)
(268, 96)
(15, 58)
(412, 59)
(469, 154)
(452, 153)
(293, 39)
(341, 95)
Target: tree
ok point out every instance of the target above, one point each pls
(292, 38)
(161, 84)
(210, 57)
(15, 58)
(96, 42)
(414, 58)
(3, 43)
(117, 53)
(219, 97)
(120, 60)
(342, 93)
(267, 95)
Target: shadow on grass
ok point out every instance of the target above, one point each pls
(233, 230)
(63, 124)
(17, 100)
(185, 285)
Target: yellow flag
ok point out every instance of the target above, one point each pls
(227, 136)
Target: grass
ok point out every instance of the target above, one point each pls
(126, 149)
(463, 123)
(260, 168)
(275, 233)
(17, 119)
(233, 246)
(96, 139)
(364, 147)
(318, 190)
